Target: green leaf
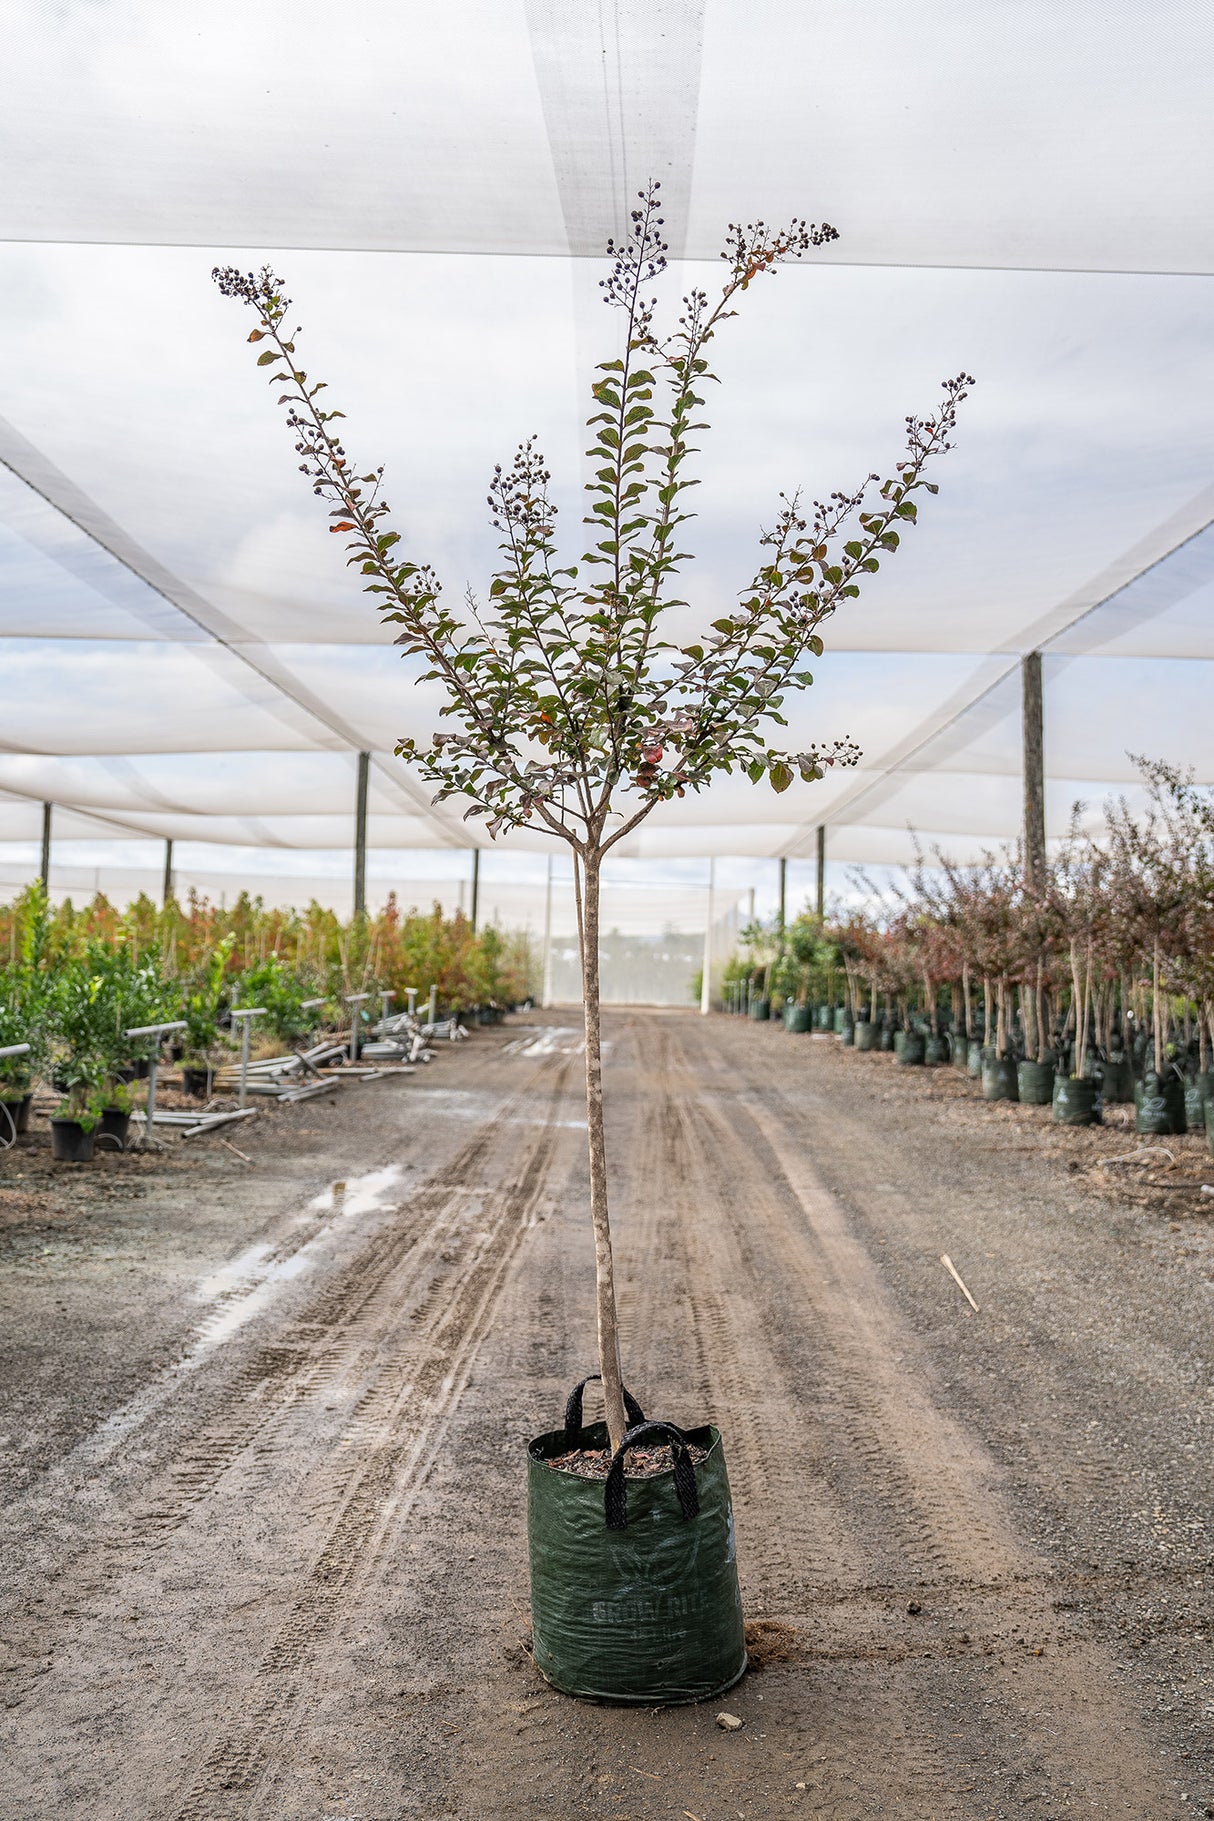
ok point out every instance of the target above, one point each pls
(270, 355)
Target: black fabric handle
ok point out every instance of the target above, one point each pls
(573, 1411)
(615, 1495)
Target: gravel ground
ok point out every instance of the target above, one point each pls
(264, 1548)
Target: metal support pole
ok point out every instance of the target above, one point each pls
(476, 887)
(820, 897)
(1034, 772)
(45, 873)
(411, 996)
(706, 974)
(168, 869)
(433, 1005)
(546, 985)
(158, 1032)
(783, 893)
(360, 836)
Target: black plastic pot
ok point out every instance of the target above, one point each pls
(634, 1584)
(1159, 1104)
(70, 1143)
(760, 1010)
(1035, 1083)
(1075, 1101)
(196, 1081)
(913, 1050)
(18, 1110)
(999, 1078)
(867, 1035)
(796, 1018)
(114, 1126)
(935, 1050)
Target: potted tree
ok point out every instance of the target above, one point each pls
(83, 1061)
(201, 1005)
(575, 707)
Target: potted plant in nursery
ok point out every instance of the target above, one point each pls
(200, 1007)
(23, 1015)
(83, 1062)
(578, 708)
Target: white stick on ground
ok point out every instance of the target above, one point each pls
(951, 1268)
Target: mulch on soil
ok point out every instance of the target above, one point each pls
(639, 1464)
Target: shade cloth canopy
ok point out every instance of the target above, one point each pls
(1024, 191)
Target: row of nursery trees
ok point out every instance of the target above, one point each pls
(1096, 978)
(73, 980)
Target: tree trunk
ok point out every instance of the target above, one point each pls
(604, 1267)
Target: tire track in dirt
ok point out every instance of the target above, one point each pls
(392, 1335)
(342, 1323)
(949, 1495)
(397, 1429)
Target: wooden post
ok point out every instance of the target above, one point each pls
(820, 899)
(476, 885)
(1034, 772)
(45, 873)
(360, 836)
(168, 869)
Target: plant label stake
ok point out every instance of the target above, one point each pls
(248, 1013)
(156, 1031)
(355, 1000)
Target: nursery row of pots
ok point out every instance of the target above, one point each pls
(1171, 1101)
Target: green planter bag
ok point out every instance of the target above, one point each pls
(1075, 1101)
(634, 1583)
(1195, 1105)
(826, 1018)
(867, 1035)
(1117, 1081)
(1159, 1104)
(760, 1009)
(974, 1059)
(1035, 1082)
(999, 1079)
(935, 1050)
(912, 1051)
(796, 1018)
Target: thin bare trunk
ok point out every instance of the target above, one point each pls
(1039, 1009)
(1156, 1011)
(604, 1266)
(965, 994)
(986, 1011)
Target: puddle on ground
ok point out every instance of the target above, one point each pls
(241, 1288)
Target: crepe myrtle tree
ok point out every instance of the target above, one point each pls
(572, 709)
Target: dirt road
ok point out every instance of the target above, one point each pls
(264, 1549)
